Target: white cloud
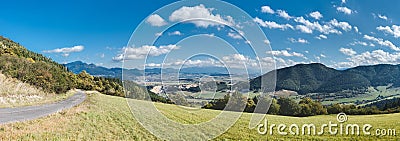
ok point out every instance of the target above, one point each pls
(320, 37)
(359, 43)
(234, 35)
(344, 10)
(382, 17)
(371, 58)
(394, 30)
(132, 53)
(156, 20)
(304, 29)
(382, 42)
(279, 62)
(239, 61)
(303, 41)
(66, 51)
(267, 42)
(175, 33)
(323, 56)
(272, 24)
(285, 53)
(284, 14)
(343, 25)
(267, 9)
(187, 63)
(343, 1)
(308, 26)
(371, 44)
(348, 51)
(299, 40)
(356, 29)
(153, 65)
(316, 15)
(200, 12)
(158, 34)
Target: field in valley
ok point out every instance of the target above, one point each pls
(103, 117)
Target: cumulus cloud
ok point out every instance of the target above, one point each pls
(394, 30)
(343, 25)
(382, 17)
(304, 29)
(284, 14)
(158, 34)
(316, 15)
(272, 24)
(285, 53)
(132, 53)
(371, 58)
(66, 51)
(187, 63)
(200, 12)
(348, 51)
(320, 37)
(234, 35)
(359, 43)
(175, 33)
(356, 29)
(299, 40)
(382, 42)
(153, 65)
(267, 42)
(344, 10)
(156, 20)
(267, 9)
(308, 26)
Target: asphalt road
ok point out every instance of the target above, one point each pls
(8, 115)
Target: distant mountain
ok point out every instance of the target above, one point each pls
(210, 70)
(315, 77)
(78, 66)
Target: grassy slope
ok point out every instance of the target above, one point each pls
(103, 117)
(14, 93)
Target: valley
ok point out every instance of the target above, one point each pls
(102, 117)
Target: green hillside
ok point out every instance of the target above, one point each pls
(317, 78)
(103, 117)
(37, 70)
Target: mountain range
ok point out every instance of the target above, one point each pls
(78, 66)
(302, 78)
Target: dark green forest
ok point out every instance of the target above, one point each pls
(317, 78)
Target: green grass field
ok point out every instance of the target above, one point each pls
(371, 95)
(103, 117)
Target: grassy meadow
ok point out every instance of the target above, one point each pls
(103, 117)
(14, 93)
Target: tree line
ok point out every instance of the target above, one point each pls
(305, 107)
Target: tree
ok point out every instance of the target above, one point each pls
(274, 108)
(288, 107)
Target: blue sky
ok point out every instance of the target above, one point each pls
(337, 33)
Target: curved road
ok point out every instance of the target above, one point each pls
(8, 115)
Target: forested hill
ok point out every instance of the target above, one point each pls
(316, 77)
(33, 68)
